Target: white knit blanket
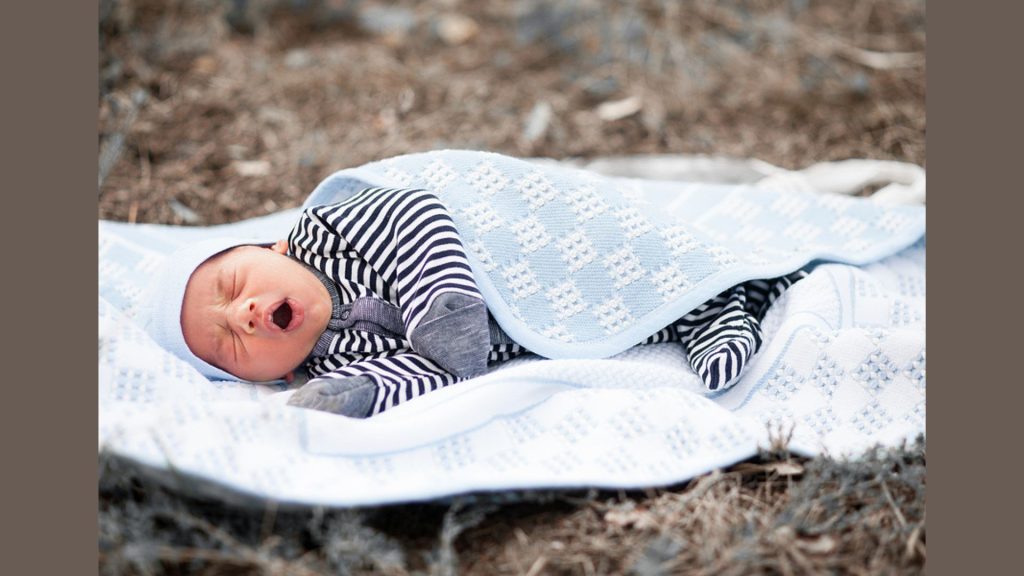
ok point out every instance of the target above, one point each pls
(843, 367)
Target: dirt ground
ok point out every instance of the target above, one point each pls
(775, 514)
(217, 110)
(238, 121)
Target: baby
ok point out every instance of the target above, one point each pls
(375, 299)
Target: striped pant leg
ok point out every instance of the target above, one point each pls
(761, 294)
(722, 335)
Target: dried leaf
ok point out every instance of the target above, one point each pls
(638, 518)
(251, 168)
(820, 545)
(456, 29)
(787, 468)
(619, 109)
(184, 212)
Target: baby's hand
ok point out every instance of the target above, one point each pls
(351, 396)
(281, 247)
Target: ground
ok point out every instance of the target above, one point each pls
(218, 110)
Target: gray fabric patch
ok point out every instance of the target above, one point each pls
(455, 334)
(497, 335)
(351, 397)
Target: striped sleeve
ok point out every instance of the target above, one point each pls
(401, 243)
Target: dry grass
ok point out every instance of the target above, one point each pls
(304, 95)
(775, 514)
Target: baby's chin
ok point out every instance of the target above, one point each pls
(278, 369)
(267, 377)
(317, 317)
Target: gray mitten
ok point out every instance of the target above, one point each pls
(351, 396)
(454, 333)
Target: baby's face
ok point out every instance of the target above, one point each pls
(254, 312)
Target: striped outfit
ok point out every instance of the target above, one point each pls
(403, 297)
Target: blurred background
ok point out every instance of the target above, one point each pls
(217, 110)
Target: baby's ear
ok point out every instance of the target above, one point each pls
(281, 247)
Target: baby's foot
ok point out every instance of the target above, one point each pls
(722, 365)
(351, 396)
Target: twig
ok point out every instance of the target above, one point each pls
(221, 536)
(538, 565)
(455, 523)
(828, 44)
(181, 555)
(269, 517)
(895, 508)
(872, 59)
(112, 150)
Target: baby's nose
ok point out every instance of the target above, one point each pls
(245, 316)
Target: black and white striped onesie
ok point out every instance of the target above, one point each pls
(407, 317)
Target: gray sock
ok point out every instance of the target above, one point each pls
(351, 396)
(454, 333)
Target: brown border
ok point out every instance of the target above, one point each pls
(49, 107)
(974, 165)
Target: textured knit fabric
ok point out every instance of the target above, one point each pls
(160, 314)
(390, 259)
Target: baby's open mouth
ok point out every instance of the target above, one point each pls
(283, 315)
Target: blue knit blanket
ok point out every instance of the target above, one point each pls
(573, 264)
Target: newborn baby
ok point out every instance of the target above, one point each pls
(254, 312)
(374, 298)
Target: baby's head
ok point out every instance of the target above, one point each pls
(236, 310)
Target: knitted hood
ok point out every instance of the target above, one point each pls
(160, 309)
